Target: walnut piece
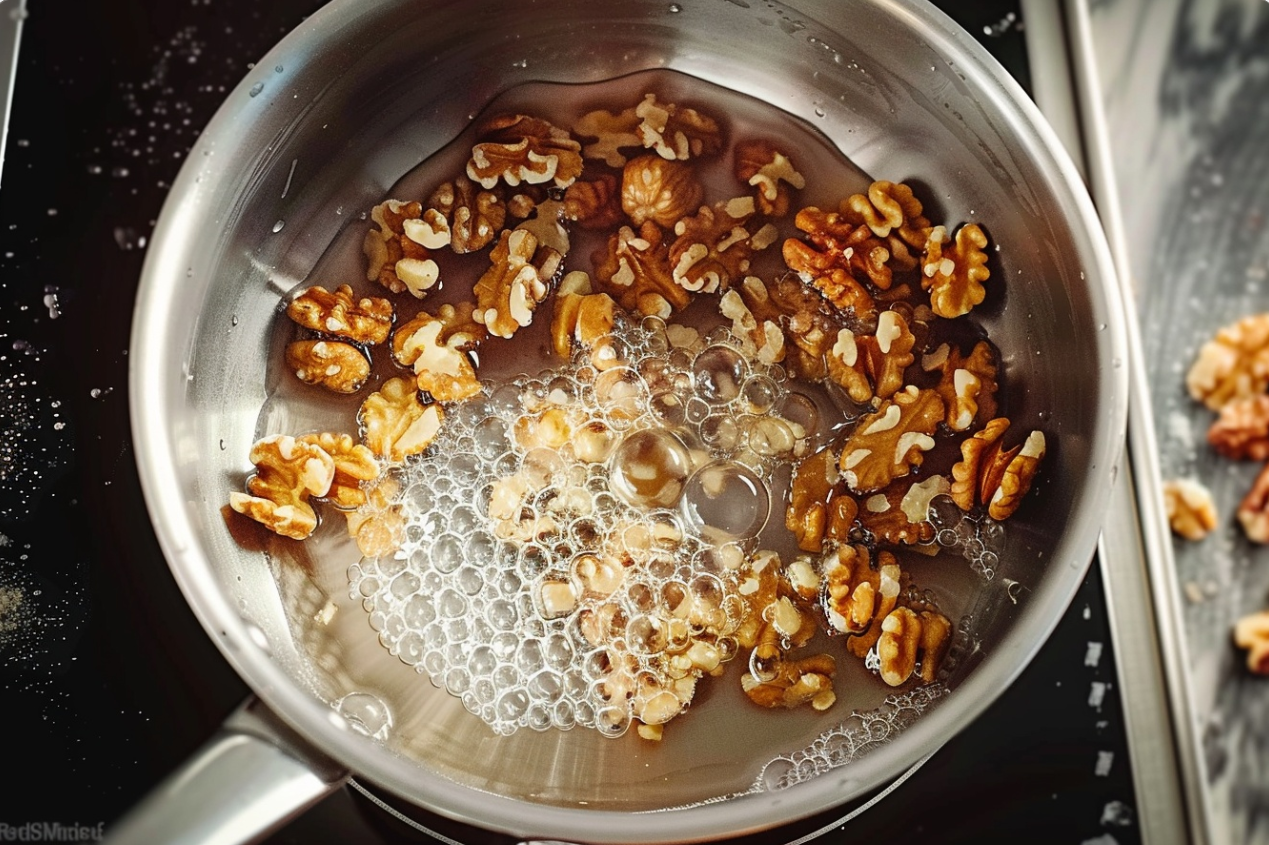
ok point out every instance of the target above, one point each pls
(908, 638)
(891, 211)
(287, 473)
(954, 273)
(968, 385)
(857, 595)
(516, 281)
(1241, 431)
(818, 507)
(760, 165)
(612, 133)
(395, 423)
(441, 367)
(1253, 510)
(1252, 633)
(378, 525)
(367, 320)
(839, 257)
(658, 189)
(355, 466)
(519, 148)
(585, 317)
(899, 514)
(714, 246)
(337, 366)
(674, 132)
(796, 682)
(762, 342)
(594, 203)
(809, 327)
(888, 443)
(1232, 365)
(1191, 510)
(990, 475)
(869, 366)
(474, 217)
(399, 252)
(635, 270)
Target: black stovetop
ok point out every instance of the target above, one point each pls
(103, 668)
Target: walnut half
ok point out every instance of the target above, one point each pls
(288, 472)
(1191, 510)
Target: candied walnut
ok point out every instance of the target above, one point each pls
(891, 211)
(713, 247)
(1252, 633)
(674, 132)
(763, 342)
(337, 366)
(366, 320)
(516, 281)
(954, 273)
(968, 385)
(441, 370)
(908, 638)
(1191, 510)
(594, 203)
(868, 366)
(991, 475)
(760, 165)
(658, 189)
(635, 270)
(1232, 365)
(612, 132)
(519, 148)
(399, 252)
(817, 507)
(474, 217)
(1253, 510)
(809, 329)
(1242, 429)
(585, 317)
(378, 525)
(890, 442)
(288, 472)
(900, 514)
(395, 424)
(796, 682)
(355, 465)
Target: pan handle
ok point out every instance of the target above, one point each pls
(248, 780)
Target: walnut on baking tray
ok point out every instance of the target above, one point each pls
(441, 366)
(399, 251)
(1232, 365)
(990, 475)
(519, 148)
(808, 680)
(395, 424)
(769, 172)
(968, 384)
(714, 247)
(1190, 508)
(954, 271)
(890, 442)
(1252, 633)
(634, 269)
(288, 472)
(819, 508)
(337, 366)
(809, 327)
(1241, 430)
(594, 203)
(355, 466)
(612, 133)
(658, 189)
(676, 132)
(893, 213)
(900, 514)
(516, 281)
(872, 365)
(474, 216)
(366, 320)
(1253, 510)
(909, 638)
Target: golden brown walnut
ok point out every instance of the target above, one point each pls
(516, 281)
(594, 203)
(288, 472)
(908, 638)
(762, 342)
(520, 148)
(968, 384)
(899, 514)
(675, 132)
(873, 365)
(583, 317)
(769, 172)
(858, 595)
(839, 257)
(988, 474)
(818, 507)
(399, 251)
(337, 366)
(1232, 365)
(612, 132)
(441, 370)
(378, 525)
(809, 328)
(1252, 633)
(658, 189)
(475, 217)
(1191, 510)
(635, 270)
(892, 212)
(1253, 510)
(367, 320)
(890, 442)
(395, 424)
(714, 247)
(796, 682)
(1241, 431)
(355, 466)
(954, 272)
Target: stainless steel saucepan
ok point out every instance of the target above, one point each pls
(318, 133)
